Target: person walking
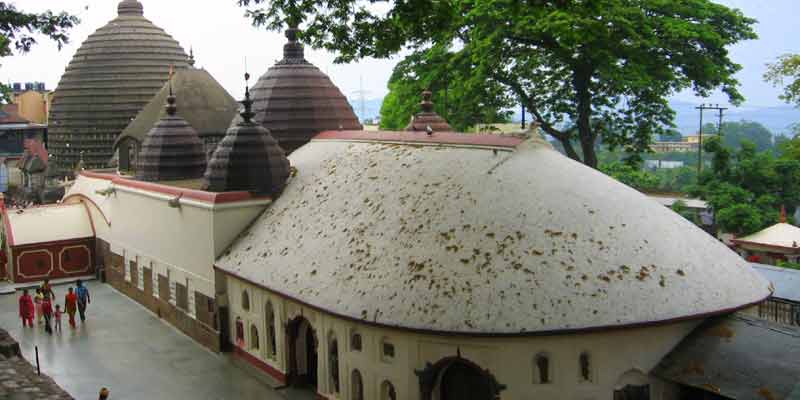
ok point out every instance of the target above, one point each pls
(57, 314)
(47, 289)
(38, 298)
(83, 299)
(47, 311)
(71, 306)
(26, 308)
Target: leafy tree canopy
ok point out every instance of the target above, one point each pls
(734, 133)
(747, 188)
(18, 31)
(463, 105)
(606, 65)
(786, 72)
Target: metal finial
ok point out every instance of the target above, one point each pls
(426, 104)
(171, 107)
(191, 56)
(247, 114)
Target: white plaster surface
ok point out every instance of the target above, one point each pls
(480, 241)
(50, 224)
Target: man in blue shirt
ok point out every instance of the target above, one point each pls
(83, 299)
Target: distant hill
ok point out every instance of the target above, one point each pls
(777, 119)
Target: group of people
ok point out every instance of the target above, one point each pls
(41, 306)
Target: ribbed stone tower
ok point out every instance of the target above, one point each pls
(296, 101)
(428, 119)
(172, 150)
(113, 75)
(247, 159)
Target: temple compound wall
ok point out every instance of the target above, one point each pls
(157, 244)
(353, 359)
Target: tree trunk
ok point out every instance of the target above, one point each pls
(581, 80)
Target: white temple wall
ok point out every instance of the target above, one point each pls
(617, 357)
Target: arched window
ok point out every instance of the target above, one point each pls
(245, 301)
(333, 362)
(357, 386)
(253, 337)
(269, 316)
(541, 366)
(355, 341)
(387, 391)
(585, 363)
(239, 332)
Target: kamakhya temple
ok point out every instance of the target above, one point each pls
(418, 265)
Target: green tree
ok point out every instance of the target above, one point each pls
(631, 175)
(437, 70)
(18, 31)
(785, 72)
(734, 133)
(614, 61)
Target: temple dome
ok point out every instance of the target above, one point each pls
(428, 119)
(248, 158)
(481, 235)
(112, 76)
(172, 150)
(296, 101)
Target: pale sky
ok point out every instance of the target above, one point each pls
(222, 38)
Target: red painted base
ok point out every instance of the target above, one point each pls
(280, 376)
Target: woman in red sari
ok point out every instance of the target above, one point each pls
(71, 305)
(26, 308)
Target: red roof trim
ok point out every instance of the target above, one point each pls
(9, 232)
(451, 138)
(592, 329)
(200, 195)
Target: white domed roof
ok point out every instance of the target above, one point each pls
(471, 239)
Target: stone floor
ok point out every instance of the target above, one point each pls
(124, 347)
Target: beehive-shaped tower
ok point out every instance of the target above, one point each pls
(113, 75)
(296, 101)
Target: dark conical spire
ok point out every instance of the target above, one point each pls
(293, 52)
(191, 57)
(428, 120)
(248, 158)
(172, 150)
(130, 7)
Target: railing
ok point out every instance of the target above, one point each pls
(780, 311)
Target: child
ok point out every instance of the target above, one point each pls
(57, 314)
(47, 311)
(38, 299)
(26, 309)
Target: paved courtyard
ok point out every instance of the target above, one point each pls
(129, 350)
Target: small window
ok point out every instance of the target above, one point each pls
(355, 342)
(254, 337)
(542, 369)
(245, 300)
(387, 391)
(387, 350)
(585, 363)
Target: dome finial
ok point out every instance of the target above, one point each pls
(247, 114)
(191, 56)
(426, 104)
(130, 7)
(293, 50)
(171, 108)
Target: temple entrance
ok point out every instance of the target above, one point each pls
(303, 346)
(464, 382)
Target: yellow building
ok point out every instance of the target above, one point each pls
(34, 105)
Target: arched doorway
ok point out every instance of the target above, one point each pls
(303, 346)
(456, 378)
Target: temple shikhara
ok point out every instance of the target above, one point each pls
(419, 264)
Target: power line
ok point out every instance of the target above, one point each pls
(702, 108)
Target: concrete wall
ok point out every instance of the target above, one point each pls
(617, 357)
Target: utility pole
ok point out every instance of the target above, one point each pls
(703, 107)
(523, 117)
(361, 93)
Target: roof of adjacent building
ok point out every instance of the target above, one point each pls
(201, 101)
(737, 357)
(112, 76)
(9, 114)
(781, 235)
(295, 100)
(669, 201)
(786, 281)
(48, 224)
(480, 234)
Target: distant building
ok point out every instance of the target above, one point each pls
(662, 164)
(779, 242)
(689, 143)
(33, 101)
